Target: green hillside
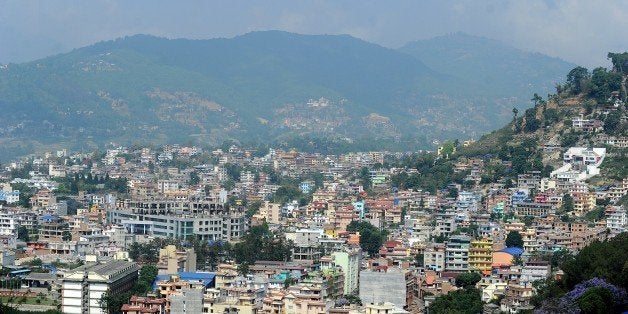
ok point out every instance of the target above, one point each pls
(252, 88)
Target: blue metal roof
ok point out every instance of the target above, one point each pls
(514, 251)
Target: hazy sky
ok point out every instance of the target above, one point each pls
(580, 31)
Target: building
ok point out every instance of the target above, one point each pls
(434, 257)
(11, 197)
(186, 300)
(616, 219)
(534, 209)
(586, 125)
(172, 261)
(535, 270)
(306, 244)
(8, 225)
(457, 253)
(481, 255)
(144, 305)
(383, 308)
(83, 287)
(349, 261)
(376, 287)
(529, 181)
(180, 218)
(584, 156)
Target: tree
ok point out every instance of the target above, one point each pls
(605, 260)
(536, 99)
(603, 83)
(371, 238)
(453, 193)
(259, 243)
(22, 234)
(194, 178)
(528, 220)
(253, 208)
(620, 62)
(596, 300)
(286, 193)
(459, 301)
(365, 178)
(532, 123)
(228, 184)
(66, 235)
(111, 303)
(418, 260)
(612, 122)
(576, 78)
(467, 280)
(567, 203)
(514, 239)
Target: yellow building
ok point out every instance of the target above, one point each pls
(481, 255)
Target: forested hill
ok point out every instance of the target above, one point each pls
(536, 137)
(270, 87)
(490, 62)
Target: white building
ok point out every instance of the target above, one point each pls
(83, 287)
(616, 220)
(535, 270)
(8, 225)
(584, 155)
(434, 257)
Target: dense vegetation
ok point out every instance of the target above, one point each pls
(371, 238)
(595, 276)
(466, 300)
(259, 243)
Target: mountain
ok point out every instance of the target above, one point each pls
(268, 87)
(491, 63)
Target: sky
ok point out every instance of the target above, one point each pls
(578, 31)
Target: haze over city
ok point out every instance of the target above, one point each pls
(580, 31)
(310, 157)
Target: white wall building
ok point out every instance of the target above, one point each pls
(8, 225)
(83, 287)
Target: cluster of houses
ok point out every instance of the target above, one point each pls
(186, 193)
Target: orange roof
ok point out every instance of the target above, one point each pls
(502, 259)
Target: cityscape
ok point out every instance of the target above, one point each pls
(242, 159)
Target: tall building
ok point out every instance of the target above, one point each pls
(83, 287)
(8, 225)
(349, 261)
(172, 261)
(481, 255)
(434, 257)
(457, 254)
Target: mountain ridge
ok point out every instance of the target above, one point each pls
(146, 88)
